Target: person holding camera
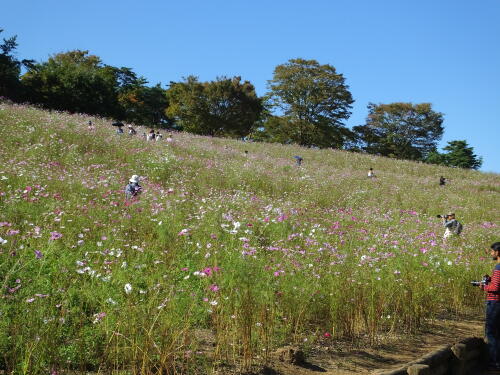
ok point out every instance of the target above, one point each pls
(452, 225)
(492, 323)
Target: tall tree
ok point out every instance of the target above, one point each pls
(10, 68)
(401, 130)
(315, 102)
(224, 107)
(458, 154)
(145, 105)
(73, 81)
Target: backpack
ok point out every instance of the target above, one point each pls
(458, 228)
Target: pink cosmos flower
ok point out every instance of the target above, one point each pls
(55, 236)
(214, 288)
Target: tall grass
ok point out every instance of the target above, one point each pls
(225, 256)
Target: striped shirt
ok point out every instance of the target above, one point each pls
(493, 287)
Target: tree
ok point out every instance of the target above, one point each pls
(10, 68)
(73, 81)
(314, 100)
(145, 105)
(459, 154)
(401, 130)
(224, 107)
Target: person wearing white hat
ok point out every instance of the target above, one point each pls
(133, 188)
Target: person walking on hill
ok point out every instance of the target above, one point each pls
(133, 189)
(158, 136)
(371, 174)
(442, 181)
(452, 225)
(492, 321)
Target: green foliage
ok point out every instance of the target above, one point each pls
(10, 68)
(145, 105)
(73, 81)
(458, 154)
(224, 107)
(315, 101)
(401, 130)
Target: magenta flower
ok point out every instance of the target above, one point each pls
(214, 288)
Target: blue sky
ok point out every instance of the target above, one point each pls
(440, 51)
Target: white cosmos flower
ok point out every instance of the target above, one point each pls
(127, 288)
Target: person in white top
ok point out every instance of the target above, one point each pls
(371, 174)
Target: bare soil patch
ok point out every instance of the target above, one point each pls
(338, 357)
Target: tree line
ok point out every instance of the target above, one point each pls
(307, 103)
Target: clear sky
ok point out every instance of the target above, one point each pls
(446, 52)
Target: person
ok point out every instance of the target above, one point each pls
(298, 160)
(151, 135)
(133, 189)
(158, 136)
(442, 181)
(170, 138)
(119, 129)
(492, 321)
(453, 227)
(90, 126)
(371, 174)
(131, 130)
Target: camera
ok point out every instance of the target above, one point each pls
(441, 216)
(485, 281)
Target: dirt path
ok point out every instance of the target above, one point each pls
(343, 358)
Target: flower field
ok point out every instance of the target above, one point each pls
(248, 248)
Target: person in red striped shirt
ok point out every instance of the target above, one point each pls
(492, 323)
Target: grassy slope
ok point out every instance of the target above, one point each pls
(251, 247)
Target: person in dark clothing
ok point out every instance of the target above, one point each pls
(442, 181)
(492, 322)
(298, 160)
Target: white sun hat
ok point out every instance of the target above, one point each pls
(134, 178)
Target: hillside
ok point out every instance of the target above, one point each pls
(247, 248)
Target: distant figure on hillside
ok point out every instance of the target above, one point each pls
(131, 130)
(371, 174)
(144, 135)
(452, 225)
(246, 152)
(133, 189)
(298, 160)
(158, 136)
(442, 181)
(151, 135)
(119, 127)
(170, 137)
(90, 126)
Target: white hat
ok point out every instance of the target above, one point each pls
(2, 241)
(134, 178)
